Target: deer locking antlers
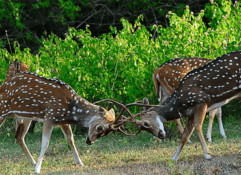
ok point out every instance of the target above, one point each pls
(132, 119)
(28, 96)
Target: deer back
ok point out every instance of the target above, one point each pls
(215, 83)
(170, 74)
(30, 96)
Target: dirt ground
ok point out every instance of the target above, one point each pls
(218, 165)
(222, 164)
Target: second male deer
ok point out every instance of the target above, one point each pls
(167, 78)
(201, 90)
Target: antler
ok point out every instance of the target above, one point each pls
(117, 126)
(134, 104)
(115, 102)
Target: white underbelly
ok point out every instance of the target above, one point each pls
(29, 118)
(217, 105)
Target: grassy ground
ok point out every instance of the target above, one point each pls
(118, 154)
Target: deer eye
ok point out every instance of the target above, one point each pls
(99, 128)
(146, 124)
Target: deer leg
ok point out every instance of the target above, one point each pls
(180, 128)
(47, 131)
(219, 116)
(2, 119)
(22, 128)
(161, 96)
(199, 115)
(210, 125)
(32, 125)
(69, 136)
(185, 137)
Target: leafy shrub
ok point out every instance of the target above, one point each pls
(119, 65)
(27, 21)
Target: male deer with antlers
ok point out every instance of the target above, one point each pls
(201, 90)
(28, 96)
(167, 78)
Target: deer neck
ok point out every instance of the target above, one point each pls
(169, 109)
(83, 113)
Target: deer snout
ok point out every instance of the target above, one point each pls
(161, 134)
(88, 141)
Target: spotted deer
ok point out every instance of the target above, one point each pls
(14, 68)
(28, 96)
(201, 90)
(166, 79)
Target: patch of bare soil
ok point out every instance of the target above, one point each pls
(221, 164)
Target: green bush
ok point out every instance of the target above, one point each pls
(119, 65)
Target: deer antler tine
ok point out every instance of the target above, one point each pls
(134, 104)
(100, 101)
(122, 111)
(121, 123)
(120, 114)
(123, 132)
(143, 105)
(131, 104)
(136, 115)
(131, 120)
(124, 117)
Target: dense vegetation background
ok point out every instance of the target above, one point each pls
(29, 21)
(109, 49)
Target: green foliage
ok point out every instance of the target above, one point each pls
(188, 36)
(16, 16)
(10, 10)
(69, 9)
(158, 5)
(120, 64)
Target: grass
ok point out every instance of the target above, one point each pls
(118, 154)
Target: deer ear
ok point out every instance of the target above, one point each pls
(112, 111)
(101, 111)
(146, 102)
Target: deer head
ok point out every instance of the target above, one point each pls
(16, 67)
(100, 125)
(150, 121)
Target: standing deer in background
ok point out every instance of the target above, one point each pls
(167, 78)
(28, 96)
(201, 90)
(13, 69)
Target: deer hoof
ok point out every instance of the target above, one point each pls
(207, 156)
